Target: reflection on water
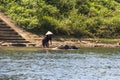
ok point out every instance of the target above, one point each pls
(59, 66)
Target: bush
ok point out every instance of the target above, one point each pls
(79, 18)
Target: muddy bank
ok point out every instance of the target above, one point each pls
(88, 42)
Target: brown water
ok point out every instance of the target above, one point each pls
(59, 65)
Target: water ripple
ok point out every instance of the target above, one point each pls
(42, 66)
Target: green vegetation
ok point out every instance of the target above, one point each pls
(103, 40)
(78, 18)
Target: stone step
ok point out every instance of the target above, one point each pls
(19, 44)
(4, 26)
(23, 44)
(11, 38)
(16, 41)
(3, 23)
(8, 32)
(1, 20)
(9, 35)
(3, 35)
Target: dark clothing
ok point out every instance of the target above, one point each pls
(45, 41)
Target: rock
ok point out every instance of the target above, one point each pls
(66, 47)
(18, 44)
(73, 47)
(6, 44)
(31, 45)
(98, 45)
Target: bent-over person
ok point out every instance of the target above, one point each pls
(47, 39)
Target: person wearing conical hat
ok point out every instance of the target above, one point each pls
(47, 39)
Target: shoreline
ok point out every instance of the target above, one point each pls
(89, 42)
(80, 43)
(12, 50)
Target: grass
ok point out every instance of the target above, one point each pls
(104, 40)
(111, 41)
(45, 50)
(19, 48)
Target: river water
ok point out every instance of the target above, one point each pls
(59, 65)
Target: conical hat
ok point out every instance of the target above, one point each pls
(49, 33)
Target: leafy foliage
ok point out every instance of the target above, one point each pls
(78, 18)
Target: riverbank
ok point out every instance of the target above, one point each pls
(101, 50)
(88, 42)
(80, 43)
